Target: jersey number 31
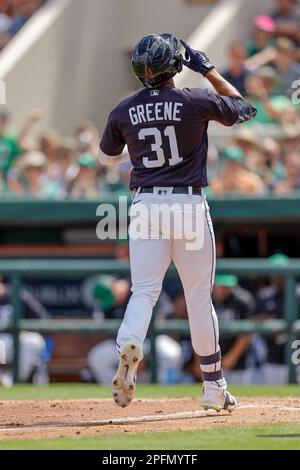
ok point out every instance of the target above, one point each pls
(157, 147)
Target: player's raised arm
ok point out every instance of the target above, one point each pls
(221, 85)
(227, 107)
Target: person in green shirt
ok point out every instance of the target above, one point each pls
(270, 109)
(264, 28)
(9, 145)
(29, 179)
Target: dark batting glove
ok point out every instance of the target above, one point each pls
(196, 60)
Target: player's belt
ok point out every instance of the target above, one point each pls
(197, 190)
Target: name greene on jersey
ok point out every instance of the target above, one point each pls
(155, 112)
(166, 133)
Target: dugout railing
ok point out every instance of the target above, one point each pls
(268, 208)
(254, 227)
(18, 271)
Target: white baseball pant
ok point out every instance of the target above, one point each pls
(150, 259)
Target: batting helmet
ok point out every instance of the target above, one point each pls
(156, 59)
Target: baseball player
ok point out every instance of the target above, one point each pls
(165, 130)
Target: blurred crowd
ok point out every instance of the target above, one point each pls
(55, 167)
(13, 15)
(51, 166)
(261, 157)
(264, 155)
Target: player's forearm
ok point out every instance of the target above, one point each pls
(108, 160)
(222, 86)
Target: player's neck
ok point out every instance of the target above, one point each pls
(170, 83)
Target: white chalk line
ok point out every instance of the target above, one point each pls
(142, 419)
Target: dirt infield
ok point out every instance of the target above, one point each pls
(50, 419)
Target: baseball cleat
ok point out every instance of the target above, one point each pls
(124, 382)
(218, 399)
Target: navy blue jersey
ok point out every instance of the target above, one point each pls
(166, 133)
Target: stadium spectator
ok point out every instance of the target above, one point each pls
(237, 71)
(291, 182)
(267, 81)
(287, 18)
(49, 143)
(260, 91)
(5, 19)
(9, 144)
(65, 170)
(88, 136)
(26, 141)
(255, 161)
(232, 302)
(29, 178)
(5, 23)
(86, 184)
(273, 156)
(290, 141)
(22, 10)
(13, 16)
(264, 29)
(287, 70)
(234, 178)
(3, 185)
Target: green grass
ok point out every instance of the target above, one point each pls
(77, 391)
(241, 437)
(285, 437)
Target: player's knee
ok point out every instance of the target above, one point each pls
(169, 352)
(198, 343)
(102, 353)
(148, 293)
(200, 295)
(102, 361)
(32, 341)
